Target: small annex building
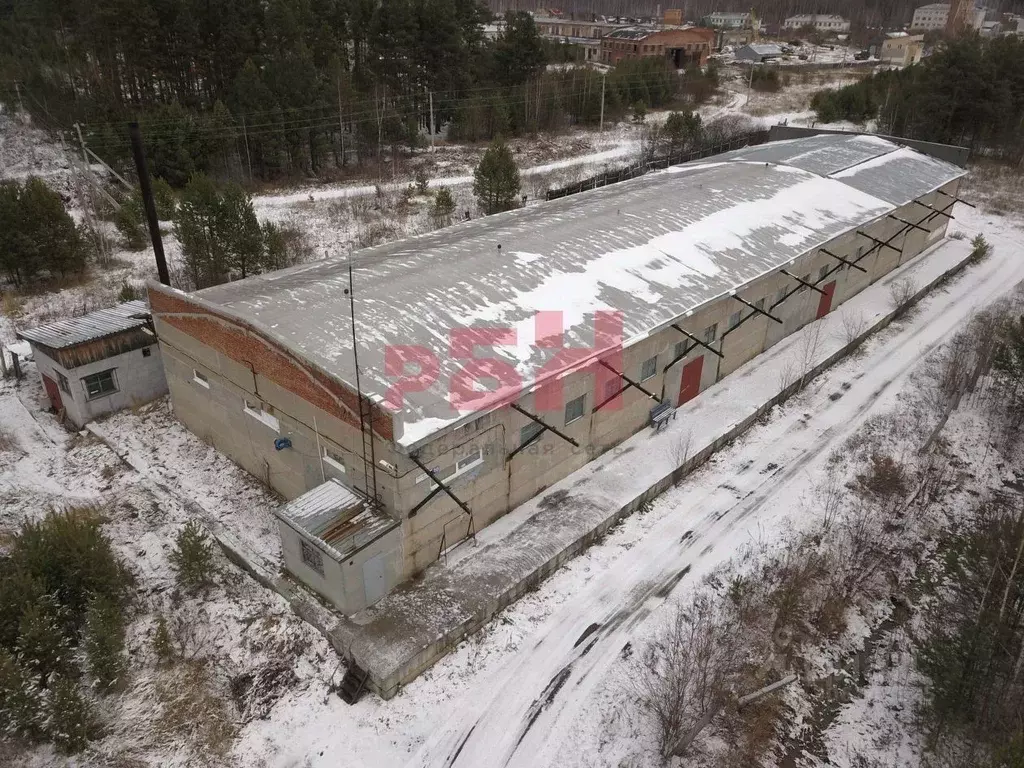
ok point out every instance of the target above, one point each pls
(499, 355)
(98, 363)
(758, 53)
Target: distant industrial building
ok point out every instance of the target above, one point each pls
(828, 23)
(935, 16)
(98, 363)
(727, 20)
(681, 47)
(597, 314)
(901, 50)
(758, 53)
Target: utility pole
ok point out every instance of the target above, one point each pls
(430, 96)
(604, 76)
(17, 91)
(248, 157)
(85, 152)
(341, 120)
(139, 153)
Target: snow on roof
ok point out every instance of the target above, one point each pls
(95, 325)
(761, 49)
(337, 517)
(631, 33)
(655, 249)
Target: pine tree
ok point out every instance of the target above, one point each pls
(22, 701)
(192, 556)
(130, 220)
(197, 226)
(163, 645)
(239, 232)
(496, 179)
(443, 208)
(103, 643)
(70, 722)
(518, 52)
(42, 647)
(36, 232)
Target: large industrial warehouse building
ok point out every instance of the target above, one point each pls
(702, 266)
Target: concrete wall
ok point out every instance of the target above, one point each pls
(139, 378)
(342, 582)
(498, 486)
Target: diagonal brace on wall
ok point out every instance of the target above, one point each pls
(802, 282)
(695, 340)
(847, 262)
(686, 350)
(440, 487)
(936, 210)
(545, 427)
(956, 199)
(908, 223)
(757, 310)
(629, 383)
(882, 243)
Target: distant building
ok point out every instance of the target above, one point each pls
(98, 363)
(758, 53)
(821, 22)
(682, 47)
(554, 27)
(723, 20)
(733, 37)
(901, 49)
(673, 17)
(991, 29)
(934, 16)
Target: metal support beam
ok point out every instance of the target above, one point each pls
(909, 223)
(544, 424)
(629, 381)
(429, 496)
(956, 199)
(802, 282)
(686, 350)
(441, 485)
(695, 340)
(936, 210)
(881, 243)
(847, 262)
(757, 310)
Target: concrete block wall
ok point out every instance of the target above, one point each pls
(139, 375)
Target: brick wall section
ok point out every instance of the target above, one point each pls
(246, 346)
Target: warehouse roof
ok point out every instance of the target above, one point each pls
(95, 325)
(655, 248)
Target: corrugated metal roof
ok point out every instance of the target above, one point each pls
(337, 516)
(631, 33)
(654, 249)
(95, 325)
(757, 50)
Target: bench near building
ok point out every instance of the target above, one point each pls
(594, 311)
(98, 363)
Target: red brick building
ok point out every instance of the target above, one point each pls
(681, 46)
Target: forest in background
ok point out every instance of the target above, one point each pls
(969, 92)
(250, 90)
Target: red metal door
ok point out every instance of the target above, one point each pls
(689, 386)
(825, 302)
(53, 392)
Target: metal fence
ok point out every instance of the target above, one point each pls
(677, 158)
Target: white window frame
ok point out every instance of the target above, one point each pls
(534, 437)
(329, 460)
(711, 334)
(653, 361)
(467, 463)
(734, 319)
(679, 349)
(262, 415)
(582, 400)
(62, 383)
(98, 395)
(198, 377)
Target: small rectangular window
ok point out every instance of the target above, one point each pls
(711, 333)
(734, 319)
(147, 351)
(100, 384)
(62, 380)
(648, 368)
(529, 433)
(200, 378)
(822, 273)
(680, 350)
(312, 557)
(333, 459)
(469, 461)
(260, 413)
(574, 409)
(611, 388)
